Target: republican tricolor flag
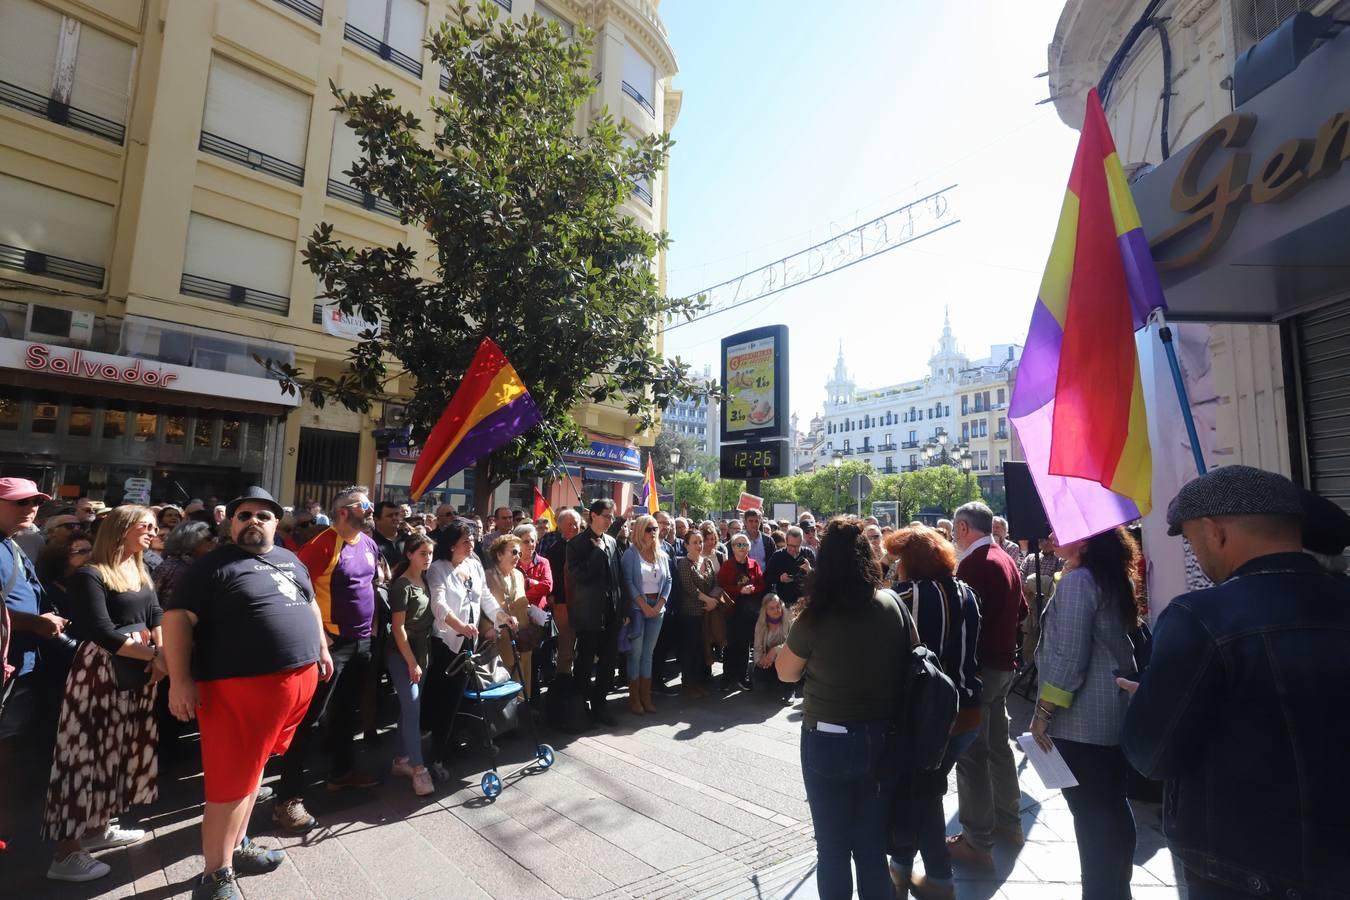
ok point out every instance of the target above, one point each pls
(490, 407)
(543, 511)
(1078, 404)
(649, 497)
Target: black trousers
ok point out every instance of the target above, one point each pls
(1102, 820)
(740, 634)
(593, 667)
(689, 628)
(339, 697)
(667, 648)
(442, 694)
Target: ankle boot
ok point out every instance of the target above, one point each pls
(647, 704)
(635, 697)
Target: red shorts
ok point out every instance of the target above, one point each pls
(245, 720)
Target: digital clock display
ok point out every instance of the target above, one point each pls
(759, 460)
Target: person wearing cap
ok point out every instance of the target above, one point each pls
(1241, 707)
(594, 592)
(245, 648)
(29, 699)
(809, 536)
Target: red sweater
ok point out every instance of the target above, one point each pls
(991, 572)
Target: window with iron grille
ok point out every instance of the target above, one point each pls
(219, 255)
(58, 68)
(394, 30)
(1254, 19)
(53, 234)
(255, 121)
(639, 79)
(346, 151)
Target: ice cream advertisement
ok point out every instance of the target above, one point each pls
(750, 386)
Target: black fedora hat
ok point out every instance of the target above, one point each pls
(257, 495)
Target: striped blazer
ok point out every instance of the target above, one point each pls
(947, 614)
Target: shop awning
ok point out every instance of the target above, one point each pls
(596, 472)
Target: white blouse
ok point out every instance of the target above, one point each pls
(463, 591)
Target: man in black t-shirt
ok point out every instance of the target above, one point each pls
(245, 647)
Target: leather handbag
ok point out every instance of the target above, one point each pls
(130, 674)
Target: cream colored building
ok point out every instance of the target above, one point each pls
(161, 164)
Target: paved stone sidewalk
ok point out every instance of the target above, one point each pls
(703, 799)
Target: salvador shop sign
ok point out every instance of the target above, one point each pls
(107, 368)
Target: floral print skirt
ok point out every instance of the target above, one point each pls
(106, 758)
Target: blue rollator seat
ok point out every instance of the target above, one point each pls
(493, 692)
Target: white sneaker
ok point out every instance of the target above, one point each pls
(112, 836)
(402, 768)
(421, 780)
(78, 866)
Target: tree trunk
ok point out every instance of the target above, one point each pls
(485, 483)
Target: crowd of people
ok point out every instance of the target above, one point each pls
(258, 622)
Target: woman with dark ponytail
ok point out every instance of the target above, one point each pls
(1085, 644)
(850, 640)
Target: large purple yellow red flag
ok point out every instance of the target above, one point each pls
(1078, 404)
(490, 407)
(649, 495)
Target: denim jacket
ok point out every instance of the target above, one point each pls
(1243, 711)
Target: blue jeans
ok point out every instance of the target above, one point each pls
(849, 809)
(644, 646)
(409, 705)
(1102, 820)
(930, 821)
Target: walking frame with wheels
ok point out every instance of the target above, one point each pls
(488, 706)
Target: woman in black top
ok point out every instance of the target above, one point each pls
(105, 758)
(57, 563)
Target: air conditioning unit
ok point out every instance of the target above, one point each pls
(53, 325)
(395, 415)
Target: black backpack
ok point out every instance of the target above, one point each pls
(928, 705)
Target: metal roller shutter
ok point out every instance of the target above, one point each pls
(1323, 341)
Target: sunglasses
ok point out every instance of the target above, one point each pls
(515, 552)
(64, 525)
(652, 529)
(82, 551)
(245, 515)
(363, 505)
(148, 527)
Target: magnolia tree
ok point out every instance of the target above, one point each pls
(529, 244)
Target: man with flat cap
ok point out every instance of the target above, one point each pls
(245, 645)
(1242, 707)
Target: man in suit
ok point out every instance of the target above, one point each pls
(593, 597)
(986, 777)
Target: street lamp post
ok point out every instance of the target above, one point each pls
(674, 468)
(838, 473)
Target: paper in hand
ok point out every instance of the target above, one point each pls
(1050, 767)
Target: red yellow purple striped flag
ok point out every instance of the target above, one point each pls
(1078, 404)
(490, 407)
(650, 499)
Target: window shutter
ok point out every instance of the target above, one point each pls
(407, 27)
(29, 34)
(257, 112)
(103, 68)
(549, 15)
(230, 253)
(36, 217)
(346, 151)
(639, 74)
(368, 15)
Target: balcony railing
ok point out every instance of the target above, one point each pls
(847, 451)
(642, 191)
(253, 159)
(886, 448)
(638, 98)
(58, 267)
(60, 113)
(309, 10)
(382, 50)
(445, 81)
(234, 294)
(910, 467)
(1001, 434)
(504, 4)
(909, 445)
(344, 191)
(888, 470)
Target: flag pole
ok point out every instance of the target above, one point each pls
(1165, 335)
(581, 501)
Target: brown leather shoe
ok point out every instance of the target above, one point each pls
(922, 889)
(635, 698)
(292, 816)
(645, 684)
(964, 853)
(1013, 837)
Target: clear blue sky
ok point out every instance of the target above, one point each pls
(800, 118)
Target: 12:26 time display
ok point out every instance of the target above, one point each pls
(752, 460)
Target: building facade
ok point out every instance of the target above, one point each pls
(697, 418)
(888, 427)
(161, 164)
